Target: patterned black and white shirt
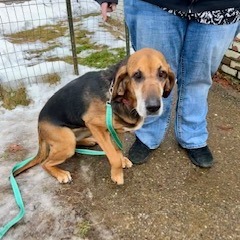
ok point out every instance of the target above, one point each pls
(217, 17)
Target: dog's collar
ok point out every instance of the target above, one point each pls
(110, 90)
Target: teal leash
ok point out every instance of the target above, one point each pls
(15, 188)
(90, 152)
(109, 117)
(18, 198)
(109, 123)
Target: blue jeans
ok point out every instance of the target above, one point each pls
(194, 52)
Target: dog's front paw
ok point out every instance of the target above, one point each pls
(126, 163)
(64, 176)
(117, 177)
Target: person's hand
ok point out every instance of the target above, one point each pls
(105, 8)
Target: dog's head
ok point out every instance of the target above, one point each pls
(143, 79)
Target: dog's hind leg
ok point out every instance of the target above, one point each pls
(88, 142)
(62, 144)
(84, 137)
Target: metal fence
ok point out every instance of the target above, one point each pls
(35, 41)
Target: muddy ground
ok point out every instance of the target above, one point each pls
(166, 198)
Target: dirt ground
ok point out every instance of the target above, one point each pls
(166, 198)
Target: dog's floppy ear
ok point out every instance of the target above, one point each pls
(120, 81)
(169, 83)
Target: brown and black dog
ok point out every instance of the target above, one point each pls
(76, 113)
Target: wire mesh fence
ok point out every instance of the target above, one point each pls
(35, 41)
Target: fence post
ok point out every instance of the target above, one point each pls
(127, 39)
(72, 36)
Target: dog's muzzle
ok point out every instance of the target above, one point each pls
(152, 106)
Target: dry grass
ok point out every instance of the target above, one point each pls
(39, 53)
(42, 33)
(13, 97)
(101, 57)
(52, 78)
(115, 27)
(90, 15)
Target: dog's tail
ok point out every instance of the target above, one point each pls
(42, 154)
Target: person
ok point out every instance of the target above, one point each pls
(193, 35)
(107, 6)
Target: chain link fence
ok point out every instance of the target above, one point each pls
(36, 43)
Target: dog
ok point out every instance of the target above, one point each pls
(76, 113)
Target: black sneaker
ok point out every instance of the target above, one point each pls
(139, 152)
(201, 157)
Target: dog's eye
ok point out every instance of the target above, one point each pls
(162, 74)
(138, 75)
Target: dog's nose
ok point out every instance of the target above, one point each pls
(153, 105)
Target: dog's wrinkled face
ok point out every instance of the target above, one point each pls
(150, 78)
